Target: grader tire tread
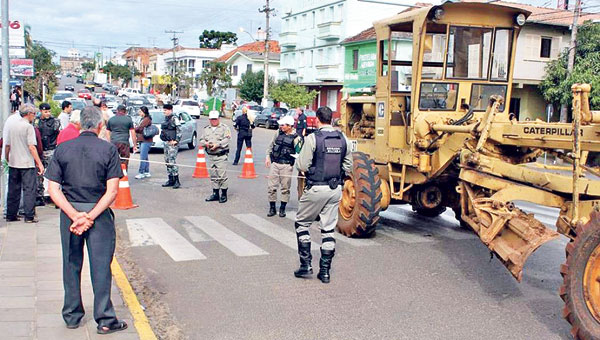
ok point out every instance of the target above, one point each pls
(583, 324)
(368, 197)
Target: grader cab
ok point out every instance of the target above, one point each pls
(438, 134)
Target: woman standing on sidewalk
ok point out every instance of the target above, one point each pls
(146, 143)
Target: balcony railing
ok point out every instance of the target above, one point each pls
(328, 72)
(288, 39)
(330, 30)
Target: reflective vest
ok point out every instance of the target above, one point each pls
(283, 149)
(326, 168)
(168, 129)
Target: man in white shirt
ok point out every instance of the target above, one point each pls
(64, 116)
(15, 117)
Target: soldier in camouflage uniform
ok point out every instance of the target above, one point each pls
(170, 134)
(216, 142)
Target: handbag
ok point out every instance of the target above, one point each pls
(150, 131)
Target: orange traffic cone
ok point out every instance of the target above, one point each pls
(248, 168)
(200, 171)
(123, 200)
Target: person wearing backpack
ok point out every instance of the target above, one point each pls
(145, 135)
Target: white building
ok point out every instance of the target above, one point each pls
(73, 53)
(250, 57)
(310, 41)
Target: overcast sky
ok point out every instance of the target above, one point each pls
(90, 25)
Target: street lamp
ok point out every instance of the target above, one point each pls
(242, 30)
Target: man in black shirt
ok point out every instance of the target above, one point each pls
(244, 127)
(49, 128)
(88, 169)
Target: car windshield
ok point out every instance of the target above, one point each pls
(255, 108)
(78, 105)
(310, 113)
(189, 103)
(84, 91)
(158, 116)
(110, 98)
(61, 96)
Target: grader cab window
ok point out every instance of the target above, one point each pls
(433, 52)
(481, 93)
(401, 60)
(468, 52)
(502, 46)
(438, 96)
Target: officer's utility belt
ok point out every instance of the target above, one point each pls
(332, 183)
(219, 153)
(281, 161)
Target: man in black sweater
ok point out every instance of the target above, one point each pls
(244, 127)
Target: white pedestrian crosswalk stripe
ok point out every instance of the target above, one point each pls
(175, 245)
(137, 235)
(339, 237)
(230, 240)
(274, 231)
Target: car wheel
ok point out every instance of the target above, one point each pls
(267, 125)
(192, 143)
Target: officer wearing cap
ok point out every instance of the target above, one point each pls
(281, 157)
(324, 158)
(49, 128)
(170, 134)
(215, 141)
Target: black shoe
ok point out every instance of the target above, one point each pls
(12, 219)
(169, 183)
(214, 197)
(325, 265)
(282, 209)
(235, 163)
(223, 197)
(40, 203)
(305, 269)
(176, 184)
(31, 220)
(272, 209)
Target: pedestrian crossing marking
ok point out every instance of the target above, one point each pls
(178, 248)
(194, 234)
(137, 234)
(274, 231)
(339, 237)
(442, 229)
(230, 240)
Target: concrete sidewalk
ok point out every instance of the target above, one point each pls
(31, 288)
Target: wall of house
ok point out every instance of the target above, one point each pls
(242, 62)
(532, 104)
(528, 63)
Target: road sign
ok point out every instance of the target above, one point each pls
(16, 40)
(21, 67)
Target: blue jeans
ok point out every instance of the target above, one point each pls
(144, 150)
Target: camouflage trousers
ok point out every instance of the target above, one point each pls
(46, 158)
(171, 157)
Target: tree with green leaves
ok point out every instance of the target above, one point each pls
(556, 86)
(292, 94)
(215, 77)
(88, 66)
(214, 39)
(251, 85)
(45, 69)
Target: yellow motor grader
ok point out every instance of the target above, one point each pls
(438, 134)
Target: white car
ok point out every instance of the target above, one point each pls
(151, 98)
(188, 105)
(78, 103)
(60, 96)
(128, 92)
(111, 101)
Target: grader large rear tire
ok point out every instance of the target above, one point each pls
(581, 281)
(361, 198)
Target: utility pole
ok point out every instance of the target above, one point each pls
(5, 87)
(132, 64)
(572, 48)
(267, 10)
(174, 68)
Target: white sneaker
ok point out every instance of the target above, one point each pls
(139, 176)
(147, 174)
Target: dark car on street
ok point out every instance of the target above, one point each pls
(69, 87)
(269, 117)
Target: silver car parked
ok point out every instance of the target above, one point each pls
(189, 135)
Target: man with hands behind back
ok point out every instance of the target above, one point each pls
(88, 169)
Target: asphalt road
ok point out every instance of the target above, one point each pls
(224, 271)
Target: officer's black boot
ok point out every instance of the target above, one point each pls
(305, 269)
(214, 197)
(325, 265)
(272, 209)
(169, 183)
(176, 184)
(282, 209)
(223, 197)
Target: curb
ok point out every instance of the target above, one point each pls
(140, 320)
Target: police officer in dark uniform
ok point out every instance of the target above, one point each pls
(170, 134)
(325, 159)
(302, 125)
(244, 127)
(49, 128)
